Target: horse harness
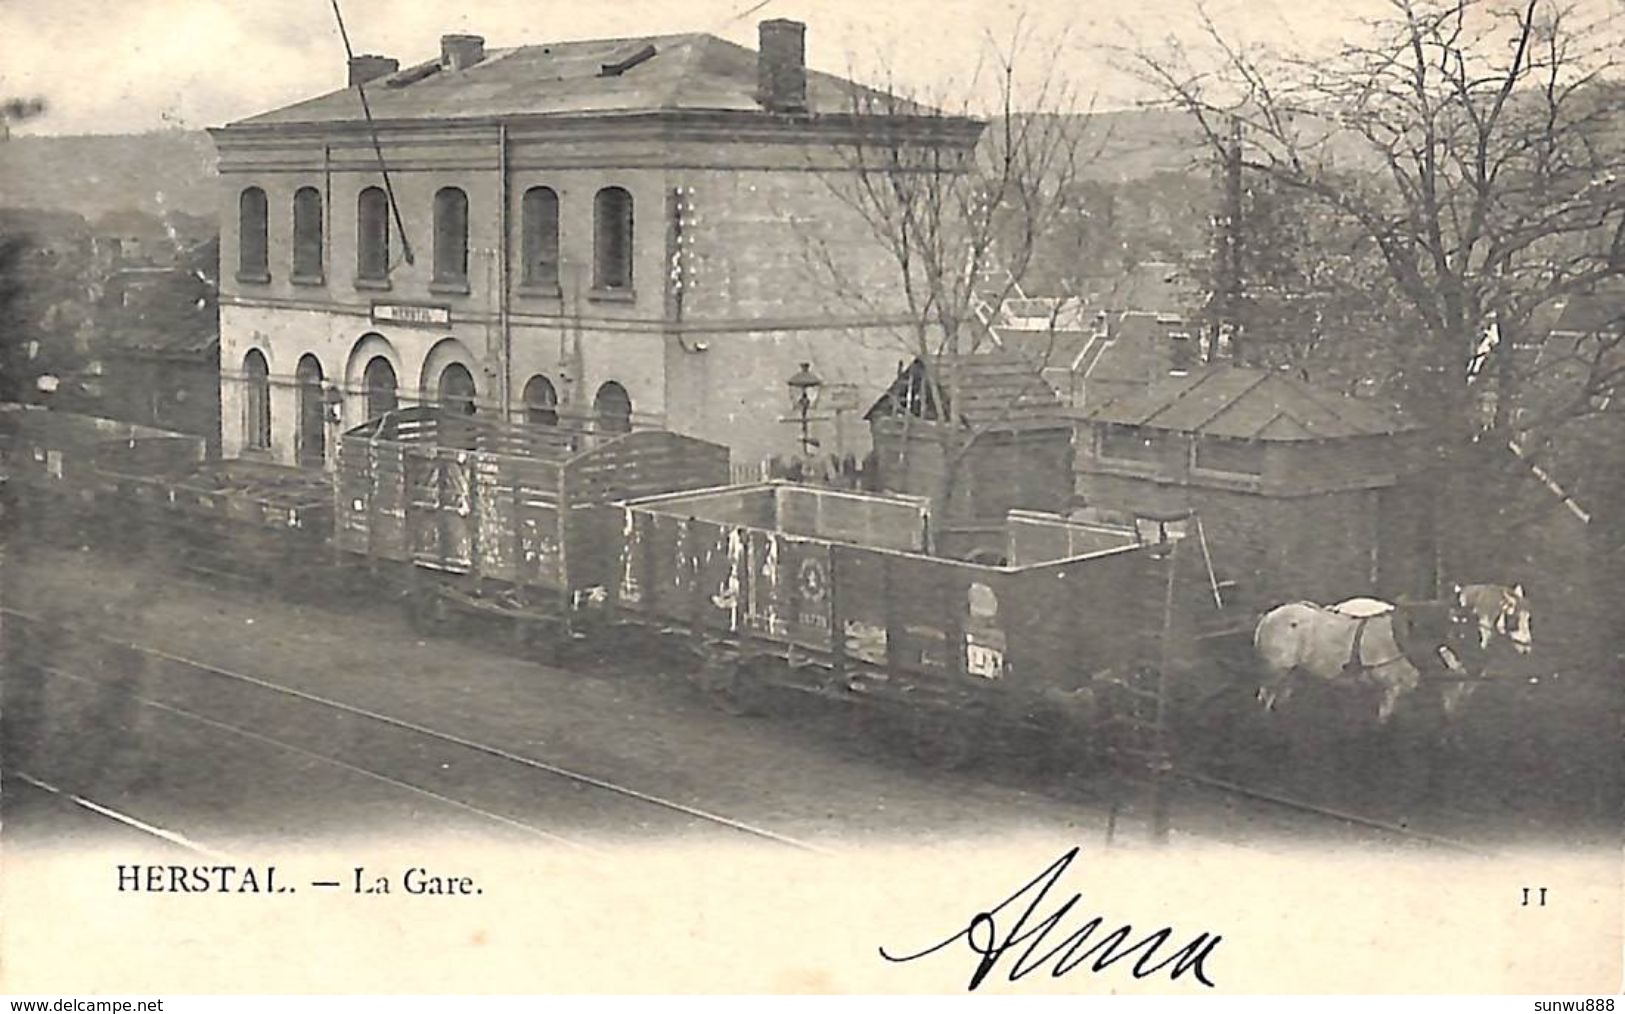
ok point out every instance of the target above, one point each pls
(1354, 666)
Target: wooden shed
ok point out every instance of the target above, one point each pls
(1012, 448)
(1303, 492)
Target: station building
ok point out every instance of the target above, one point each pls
(607, 233)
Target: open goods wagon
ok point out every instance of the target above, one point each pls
(833, 592)
(244, 520)
(498, 518)
(58, 467)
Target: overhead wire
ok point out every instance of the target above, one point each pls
(747, 12)
(377, 148)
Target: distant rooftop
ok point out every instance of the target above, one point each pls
(1589, 313)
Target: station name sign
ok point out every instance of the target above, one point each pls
(410, 313)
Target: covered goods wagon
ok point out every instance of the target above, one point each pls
(501, 518)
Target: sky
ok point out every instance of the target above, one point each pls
(125, 66)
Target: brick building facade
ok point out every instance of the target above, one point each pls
(634, 230)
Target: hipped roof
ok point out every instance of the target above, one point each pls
(690, 72)
(1250, 404)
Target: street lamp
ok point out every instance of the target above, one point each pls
(333, 402)
(804, 386)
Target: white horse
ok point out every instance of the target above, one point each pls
(1358, 640)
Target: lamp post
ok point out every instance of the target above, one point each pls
(804, 386)
(333, 404)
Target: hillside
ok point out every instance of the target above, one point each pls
(1131, 144)
(96, 174)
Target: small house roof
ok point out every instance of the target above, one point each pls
(997, 391)
(1250, 404)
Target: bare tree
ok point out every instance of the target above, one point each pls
(1477, 145)
(958, 198)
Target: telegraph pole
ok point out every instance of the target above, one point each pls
(1161, 760)
(1227, 295)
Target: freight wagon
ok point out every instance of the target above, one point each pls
(834, 593)
(255, 524)
(58, 466)
(563, 535)
(510, 521)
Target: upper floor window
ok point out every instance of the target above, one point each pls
(613, 409)
(372, 235)
(612, 239)
(307, 234)
(256, 401)
(541, 402)
(451, 236)
(1226, 454)
(253, 216)
(539, 216)
(1129, 443)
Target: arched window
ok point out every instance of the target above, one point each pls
(539, 215)
(451, 236)
(379, 381)
(541, 402)
(307, 235)
(457, 389)
(311, 442)
(253, 263)
(256, 401)
(372, 235)
(612, 239)
(613, 409)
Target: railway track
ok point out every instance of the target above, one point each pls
(1263, 801)
(1264, 806)
(321, 730)
(103, 813)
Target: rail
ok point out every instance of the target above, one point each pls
(1344, 816)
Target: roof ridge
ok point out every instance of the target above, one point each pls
(1279, 414)
(1315, 397)
(1077, 360)
(1203, 378)
(689, 53)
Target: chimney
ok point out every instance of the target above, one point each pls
(781, 66)
(370, 67)
(460, 52)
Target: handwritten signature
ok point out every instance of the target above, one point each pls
(982, 936)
